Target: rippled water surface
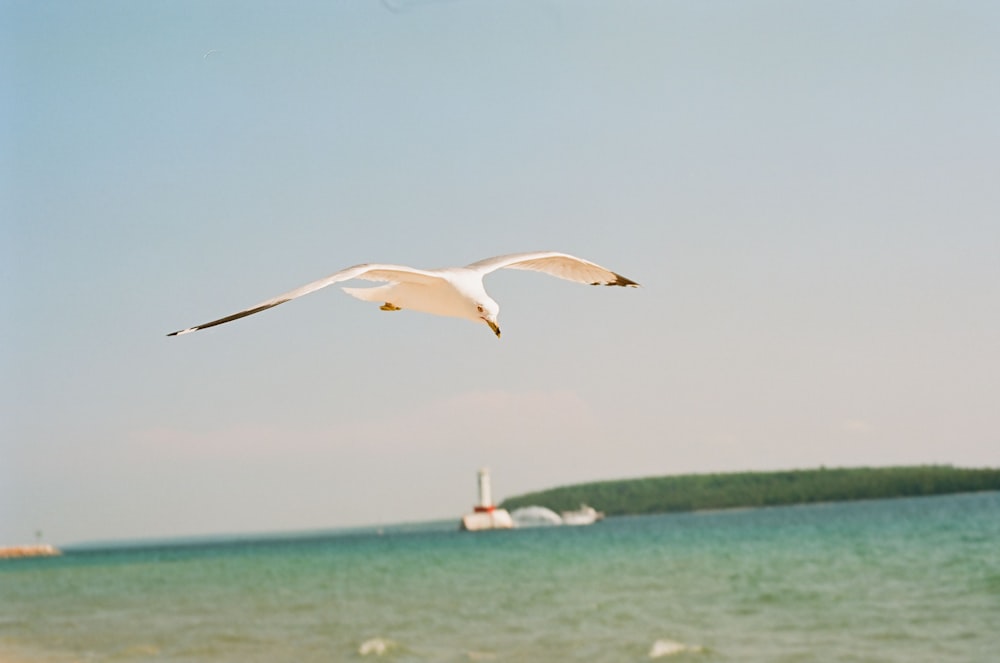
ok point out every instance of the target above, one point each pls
(891, 580)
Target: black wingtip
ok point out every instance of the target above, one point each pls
(229, 318)
(619, 281)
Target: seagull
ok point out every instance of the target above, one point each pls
(455, 292)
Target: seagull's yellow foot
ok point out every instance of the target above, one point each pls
(389, 307)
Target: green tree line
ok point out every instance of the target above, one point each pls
(691, 492)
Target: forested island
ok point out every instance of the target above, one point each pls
(693, 492)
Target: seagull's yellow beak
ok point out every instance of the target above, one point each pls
(494, 326)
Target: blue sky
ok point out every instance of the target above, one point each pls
(806, 190)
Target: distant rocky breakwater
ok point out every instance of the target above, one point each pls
(38, 550)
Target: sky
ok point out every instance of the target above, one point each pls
(807, 192)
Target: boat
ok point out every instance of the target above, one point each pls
(585, 515)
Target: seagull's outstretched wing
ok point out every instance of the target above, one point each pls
(369, 272)
(561, 265)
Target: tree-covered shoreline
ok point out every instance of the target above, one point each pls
(695, 492)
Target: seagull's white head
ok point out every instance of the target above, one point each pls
(473, 302)
(487, 310)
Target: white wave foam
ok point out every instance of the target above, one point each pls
(535, 516)
(375, 647)
(665, 647)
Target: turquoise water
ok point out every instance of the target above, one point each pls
(890, 580)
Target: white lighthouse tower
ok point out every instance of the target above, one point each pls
(485, 515)
(485, 497)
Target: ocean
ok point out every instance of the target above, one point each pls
(887, 580)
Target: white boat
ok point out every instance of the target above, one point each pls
(585, 515)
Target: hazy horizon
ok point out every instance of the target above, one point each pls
(450, 522)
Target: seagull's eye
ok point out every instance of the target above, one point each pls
(479, 308)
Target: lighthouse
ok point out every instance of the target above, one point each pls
(485, 515)
(485, 497)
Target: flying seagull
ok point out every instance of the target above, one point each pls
(455, 292)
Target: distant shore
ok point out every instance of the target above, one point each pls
(703, 492)
(36, 550)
